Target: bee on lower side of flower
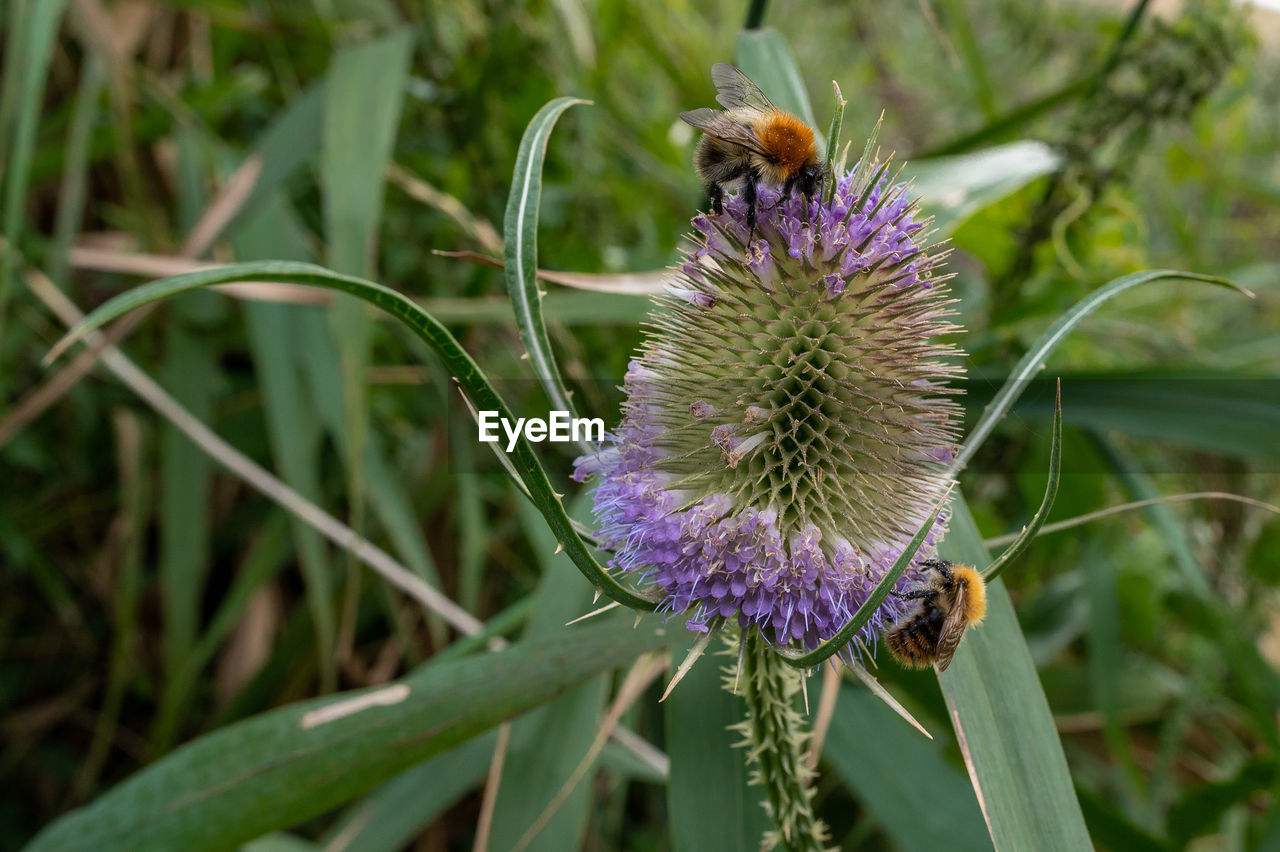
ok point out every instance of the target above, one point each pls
(752, 140)
(954, 597)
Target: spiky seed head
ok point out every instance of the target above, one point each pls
(788, 418)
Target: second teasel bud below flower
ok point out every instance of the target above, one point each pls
(788, 421)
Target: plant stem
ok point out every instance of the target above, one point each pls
(777, 737)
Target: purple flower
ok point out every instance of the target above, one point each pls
(788, 419)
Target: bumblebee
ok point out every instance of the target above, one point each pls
(754, 141)
(953, 598)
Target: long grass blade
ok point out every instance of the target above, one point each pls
(1003, 723)
(644, 672)
(285, 766)
(624, 283)
(395, 514)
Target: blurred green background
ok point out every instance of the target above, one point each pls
(150, 596)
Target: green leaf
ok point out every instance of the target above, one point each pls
(1003, 722)
(459, 364)
(954, 188)
(1032, 362)
(1221, 412)
(520, 232)
(285, 766)
(709, 802)
(390, 817)
(763, 56)
(363, 98)
(894, 771)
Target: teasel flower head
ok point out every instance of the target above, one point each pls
(788, 422)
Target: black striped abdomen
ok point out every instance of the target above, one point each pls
(914, 640)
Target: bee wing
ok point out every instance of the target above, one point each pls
(715, 123)
(952, 628)
(736, 91)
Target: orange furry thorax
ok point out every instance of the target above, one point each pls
(975, 593)
(788, 140)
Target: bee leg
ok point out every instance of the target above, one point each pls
(749, 191)
(916, 595)
(789, 187)
(942, 566)
(715, 192)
